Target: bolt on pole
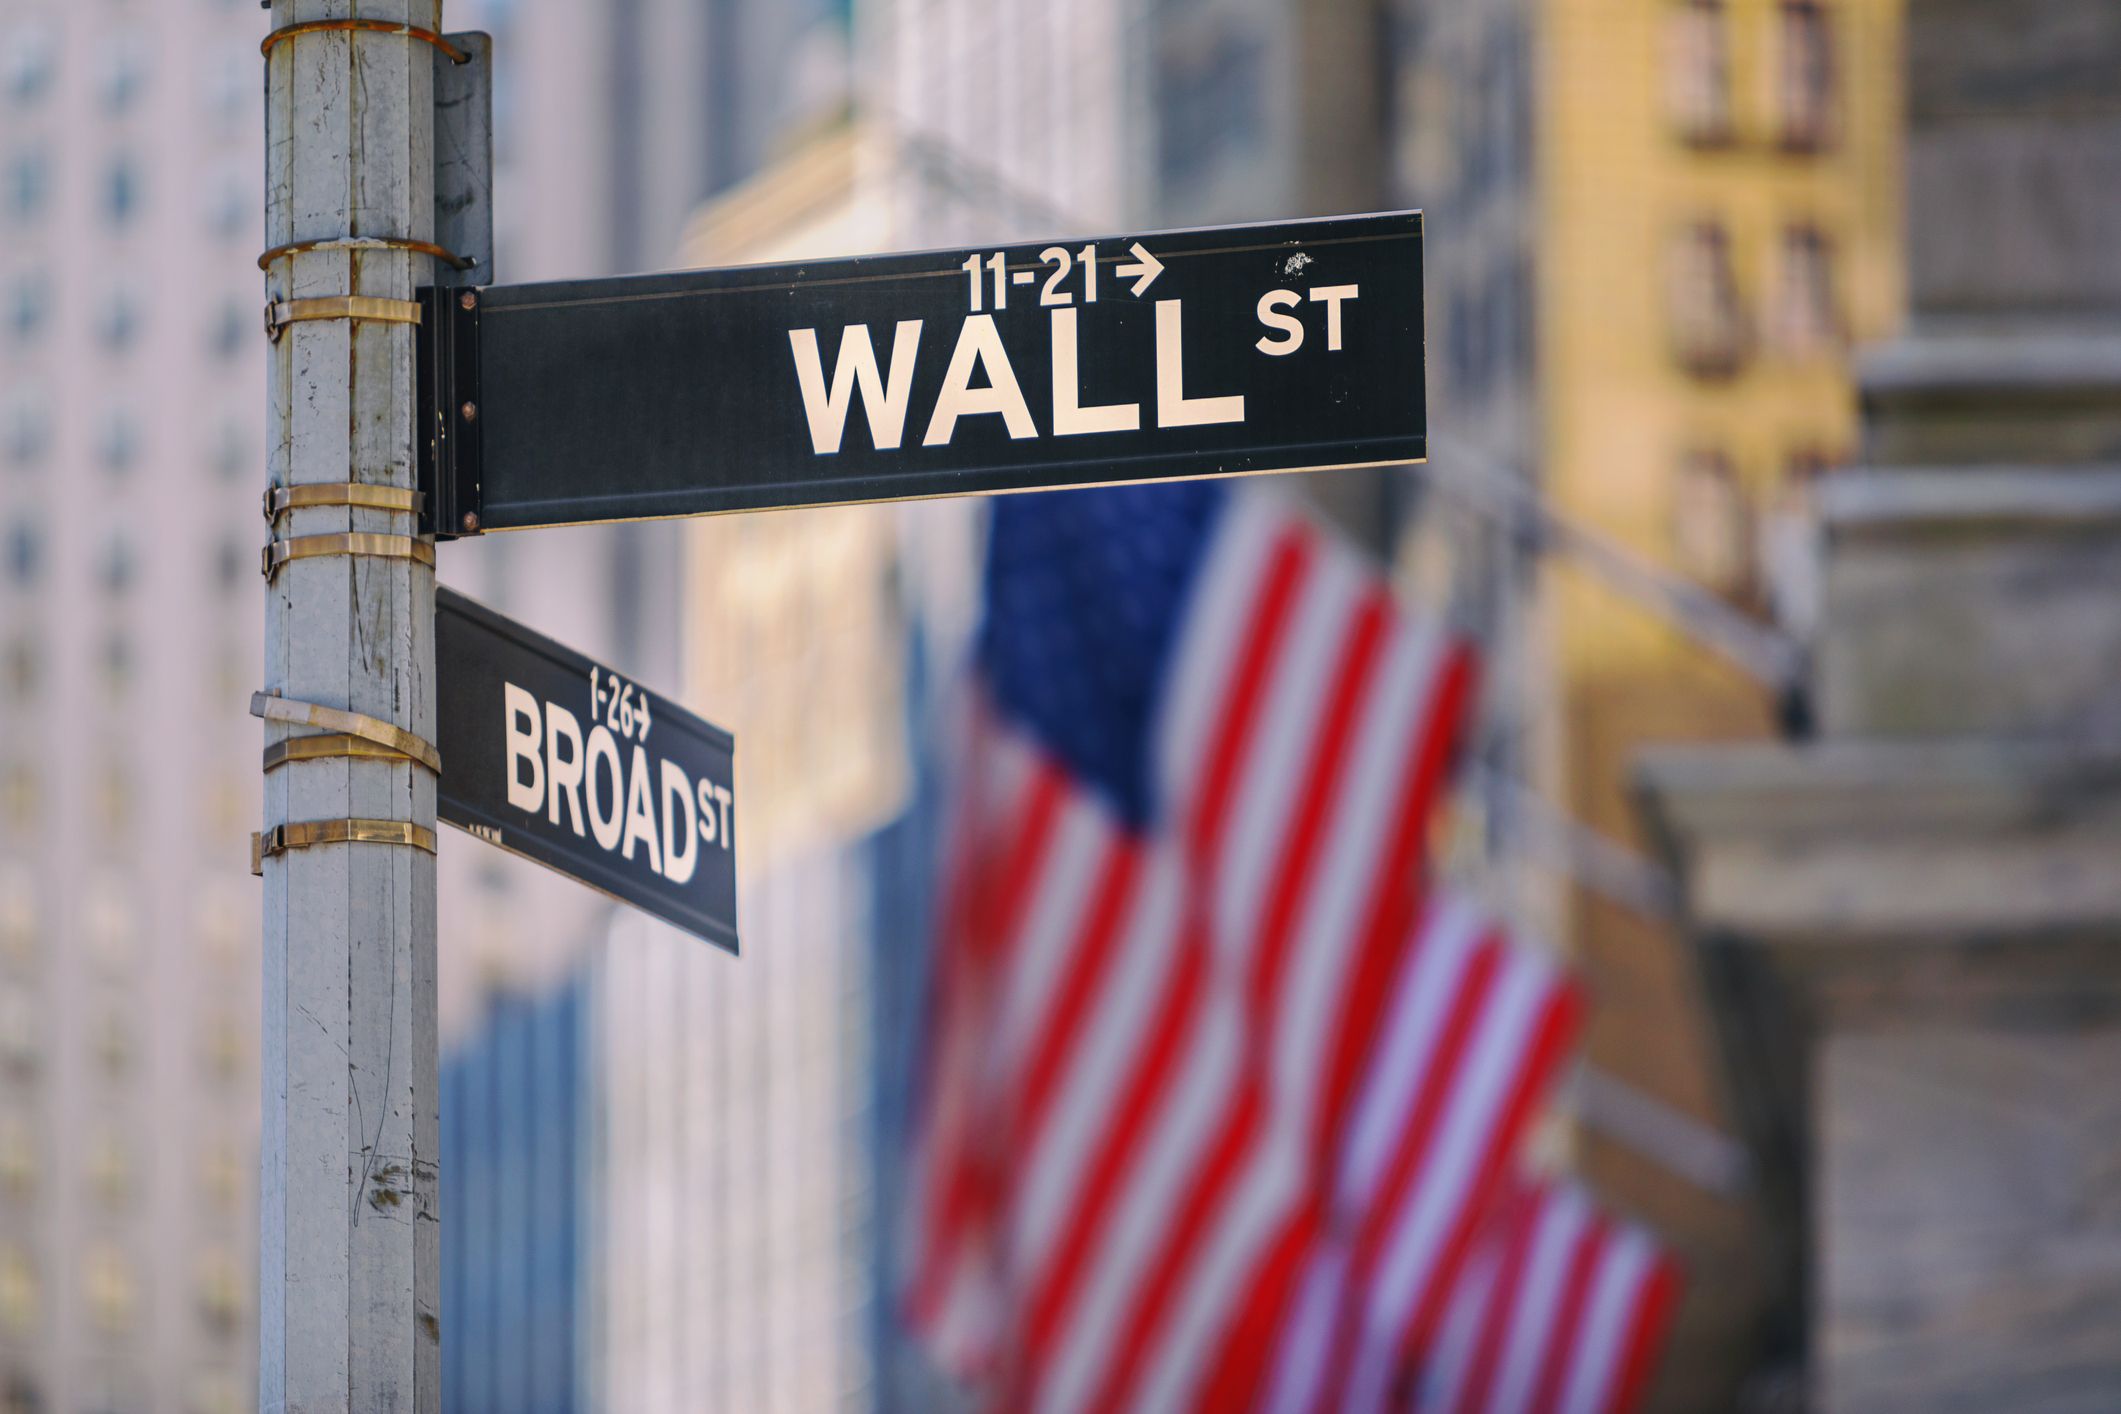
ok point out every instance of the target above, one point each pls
(349, 1242)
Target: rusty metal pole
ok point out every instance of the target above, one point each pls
(349, 1250)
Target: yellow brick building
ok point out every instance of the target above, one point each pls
(1659, 231)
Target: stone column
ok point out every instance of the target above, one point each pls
(1911, 927)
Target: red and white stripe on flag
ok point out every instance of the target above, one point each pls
(1146, 1042)
(1477, 1026)
(1561, 1311)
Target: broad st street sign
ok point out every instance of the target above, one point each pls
(1190, 353)
(555, 757)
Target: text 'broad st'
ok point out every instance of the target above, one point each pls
(1191, 353)
(553, 756)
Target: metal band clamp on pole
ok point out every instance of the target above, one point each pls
(392, 739)
(425, 36)
(361, 243)
(280, 499)
(301, 834)
(374, 308)
(356, 542)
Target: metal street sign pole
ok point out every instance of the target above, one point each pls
(1284, 347)
(349, 1252)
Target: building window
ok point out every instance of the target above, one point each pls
(1698, 71)
(118, 322)
(114, 801)
(230, 563)
(29, 307)
(20, 1049)
(225, 1047)
(1710, 332)
(116, 664)
(110, 1171)
(20, 1300)
(230, 452)
(230, 87)
(112, 1292)
(1712, 532)
(221, 1293)
(112, 1044)
(27, 187)
(25, 554)
(31, 59)
(118, 566)
(230, 196)
(21, 670)
(230, 330)
(20, 798)
(109, 925)
(118, 443)
(224, 1177)
(121, 192)
(1806, 317)
(1790, 560)
(219, 917)
(124, 73)
(18, 915)
(26, 428)
(18, 1163)
(1806, 79)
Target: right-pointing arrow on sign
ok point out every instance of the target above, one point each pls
(1143, 269)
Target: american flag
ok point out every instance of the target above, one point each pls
(1185, 884)
(1561, 1309)
(1478, 1026)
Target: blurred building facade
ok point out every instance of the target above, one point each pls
(131, 366)
(1657, 230)
(1908, 924)
(130, 371)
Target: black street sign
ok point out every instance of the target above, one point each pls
(1283, 347)
(556, 758)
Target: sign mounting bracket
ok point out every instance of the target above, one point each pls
(449, 440)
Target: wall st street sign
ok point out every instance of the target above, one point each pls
(1190, 353)
(557, 758)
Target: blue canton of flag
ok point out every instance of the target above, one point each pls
(1085, 594)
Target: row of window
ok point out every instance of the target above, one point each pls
(222, 1180)
(29, 71)
(27, 189)
(111, 1288)
(26, 435)
(22, 672)
(117, 565)
(113, 802)
(1726, 540)
(1712, 323)
(223, 1043)
(1803, 82)
(26, 315)
(111, 925)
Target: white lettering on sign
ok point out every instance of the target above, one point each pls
(979, 345)
(1332, 295)
(883, 399)
(520, 710)
(1291, 328)
(981, 381)
(1173, 407)
(1069, 416)
(636, 806)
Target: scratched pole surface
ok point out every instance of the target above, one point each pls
(349, 1251)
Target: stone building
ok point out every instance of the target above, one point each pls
(1907, 925)
(1657, 229)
